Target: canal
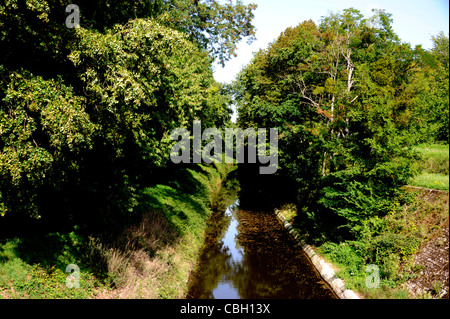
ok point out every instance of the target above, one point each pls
(249, 255)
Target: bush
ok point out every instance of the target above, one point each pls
(345, 254)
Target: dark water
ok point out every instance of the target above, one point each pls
(249, 255)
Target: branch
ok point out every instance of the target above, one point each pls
(354, 99)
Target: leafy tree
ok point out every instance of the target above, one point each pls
(34, 35)
(430, 107)
(86, 113)
(215, 25)
(339, 93)
(143, 80)
(43, 127)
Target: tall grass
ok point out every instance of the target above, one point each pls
(149, 258)
(432, 181)
(132, 262)
(435, 158)
(154, 258)
(433, 167)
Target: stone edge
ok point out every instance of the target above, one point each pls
(324, 268)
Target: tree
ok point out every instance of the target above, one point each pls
(43, 127)
(430, 106)
(338, 93)
(34, 36)
(143, 80)
(86, 113)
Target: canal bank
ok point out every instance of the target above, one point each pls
(249, 255)
(324, 268)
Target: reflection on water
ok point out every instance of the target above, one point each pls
(250, 255)
(235, 254)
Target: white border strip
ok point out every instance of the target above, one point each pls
(321, 265)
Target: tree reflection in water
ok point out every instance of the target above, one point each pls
(249, 255)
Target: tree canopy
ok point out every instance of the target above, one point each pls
(86, 112)
(343, 95)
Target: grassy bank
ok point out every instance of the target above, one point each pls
(149, 258)
(35, 267)
(153, 259)
(433, 167)
(392, 242)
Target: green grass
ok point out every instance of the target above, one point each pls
(435, 157)
(164, 248)
(431, 180)
(433, 167)
(35, 268)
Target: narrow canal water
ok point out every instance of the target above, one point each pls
(249, 255)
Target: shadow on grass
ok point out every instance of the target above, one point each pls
(165, 212)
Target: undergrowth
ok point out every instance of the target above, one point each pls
(149, 258)
(390, 243)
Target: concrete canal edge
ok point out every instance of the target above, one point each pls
(324, 268)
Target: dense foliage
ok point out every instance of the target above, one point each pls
(86, 115)
(86, 112)
(430, 109)
(343, 95)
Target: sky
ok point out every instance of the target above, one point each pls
(415, 22)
